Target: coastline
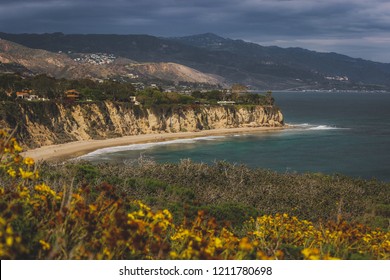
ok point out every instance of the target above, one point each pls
(66, 151)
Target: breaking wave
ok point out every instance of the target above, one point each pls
(145, 146)
(307, 126)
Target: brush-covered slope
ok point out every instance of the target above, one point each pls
(96, 65)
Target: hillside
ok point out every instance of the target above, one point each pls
(18, 58)
(174, 72)
(8, 68)
(235, 60)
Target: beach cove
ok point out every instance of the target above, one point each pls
(66, 151)
(343, 133)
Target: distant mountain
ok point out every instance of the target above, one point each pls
(235, 60)
(20, 59)
(331, 66)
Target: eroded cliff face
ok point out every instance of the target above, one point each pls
(52, 123)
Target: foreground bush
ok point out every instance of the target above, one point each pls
(105, 222)
(230, 192)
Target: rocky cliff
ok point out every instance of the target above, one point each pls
(45, 123)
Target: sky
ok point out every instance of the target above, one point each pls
(358, 28)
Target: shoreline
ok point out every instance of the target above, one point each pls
(66, 151)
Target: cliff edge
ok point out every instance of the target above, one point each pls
(46, 123)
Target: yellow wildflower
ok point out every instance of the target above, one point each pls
(17, 147)
(107, 252)
(142, 205)
(9, 241)
(26, 174)
(11, 172)
(328, 257)
(167, 214)
(263, 256)
(45, 245)
(131, 216)
(9, 230)
(245, 245)
(28, 161)
(92, 208)
(45, 189)
(367, 238)
(141, 213)
(311, 253)
(218, 242)
(24, 193)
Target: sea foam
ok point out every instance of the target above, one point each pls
(323, 127)
(145, 146)
(307, 126)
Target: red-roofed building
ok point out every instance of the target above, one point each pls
(72, 94)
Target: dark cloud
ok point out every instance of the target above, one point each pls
(354, 27)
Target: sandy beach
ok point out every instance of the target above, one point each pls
(62, 152)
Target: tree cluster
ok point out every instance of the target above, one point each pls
(152, 96)
(240, 98)
(51, 88)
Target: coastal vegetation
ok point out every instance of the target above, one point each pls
(53, 89)
(144, 210)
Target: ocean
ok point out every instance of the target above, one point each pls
(344, 133)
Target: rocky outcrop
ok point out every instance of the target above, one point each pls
(45, 123)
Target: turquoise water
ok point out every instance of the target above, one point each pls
(347, 133)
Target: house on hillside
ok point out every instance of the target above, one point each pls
(24, 94)
(226, 102)
(133, 99)
(28, 95)
(33, 97)
(72, 95)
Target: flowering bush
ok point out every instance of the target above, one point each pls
(38, 222)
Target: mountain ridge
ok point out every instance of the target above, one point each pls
(235, 60)
(296, 57)
(82, 65)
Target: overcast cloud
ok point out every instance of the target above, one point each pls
(359, 28)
